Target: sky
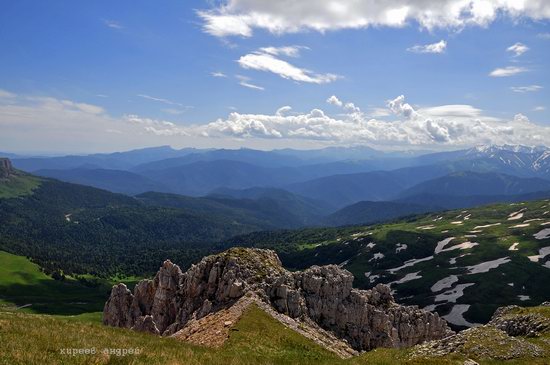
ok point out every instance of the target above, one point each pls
(100, 76)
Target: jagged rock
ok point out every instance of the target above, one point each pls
(165, 306)
(6, 168)
(146, 324)
(321, 298)
(117, 311)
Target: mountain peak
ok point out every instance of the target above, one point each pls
(489, 149)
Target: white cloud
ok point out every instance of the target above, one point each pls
(241, 17)
(262, 61)
(400, 108)
(160, 100)
(438, 47)
(290, 51)
(447, 125)
(333, 100)
(44, 123)
(508, 71)
(348, 107)
(112, 24)
(245, 81)
(218, 74)
(518, 49)
(544, 35)
(525, 89)
(539, 108)
(283, 110)
(157, 127)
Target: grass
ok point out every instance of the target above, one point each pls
(255, 339)
(18, 185)
(23, 284)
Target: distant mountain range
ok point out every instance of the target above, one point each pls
(308, 187)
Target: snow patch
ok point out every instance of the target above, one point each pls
(444, 283)
(409, 277)
(487, 225)
(450, 296)
(523, 225)
(409, 263)
(431, 226)
(400, 247)
(456, 316)
(441, 244)
(486, 266)
(542, 235)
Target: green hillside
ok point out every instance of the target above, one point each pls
(18, 185)
(499, 255)
(255, 339)
(25, 286)
(79, 229)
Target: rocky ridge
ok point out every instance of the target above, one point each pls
(318, 302)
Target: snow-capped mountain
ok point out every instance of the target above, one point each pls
(528, 159)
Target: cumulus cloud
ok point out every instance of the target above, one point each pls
(438, 47)
(400, 108)
(267, 61)
(348, 107)
(525, 89)
(508, 71)
(518, 49)
(241, 17)
(456, 125)
(48, 123)
(333, 100)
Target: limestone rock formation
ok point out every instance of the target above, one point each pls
(503, 338)
(6, 168)
(321, 299)
(529, 324)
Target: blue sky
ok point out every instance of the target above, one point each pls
(110, 75)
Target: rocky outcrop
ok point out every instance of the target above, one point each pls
(503, 338)
(6, 168)
(510, 320)
(485, 342)
(321, 299)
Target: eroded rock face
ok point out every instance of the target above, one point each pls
(6, 169)
(321, 296)
(117, 311)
